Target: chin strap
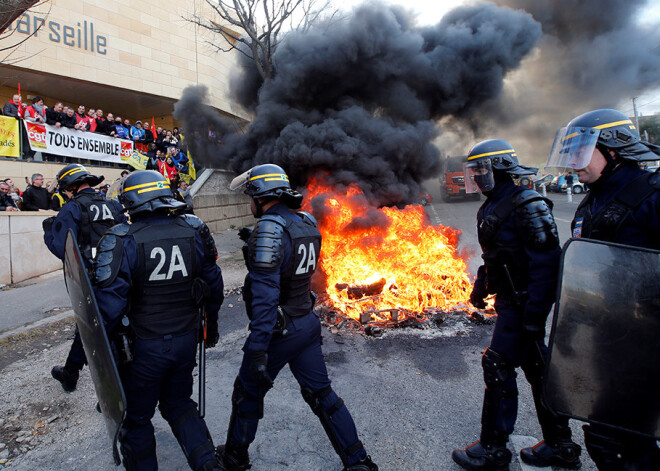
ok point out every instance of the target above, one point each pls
(260, 208)
(611, 166)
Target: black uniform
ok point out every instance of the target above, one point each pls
(520, 245)
(623, 208)
(145, 271)
(89, 214)
(282, 255)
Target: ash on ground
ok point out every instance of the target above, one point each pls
(432, 321)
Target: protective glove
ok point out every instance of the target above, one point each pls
(479, 290)
(212, 335)
(533, 325)
(47, 224)
(244, 233)
(259, 369)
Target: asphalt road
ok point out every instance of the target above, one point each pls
(414, 394)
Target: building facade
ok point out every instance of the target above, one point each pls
(130, 58)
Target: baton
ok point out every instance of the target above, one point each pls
(516, 294)
(200, 293)
(202, 365)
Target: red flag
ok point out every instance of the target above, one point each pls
(20, 101)
(153, 128)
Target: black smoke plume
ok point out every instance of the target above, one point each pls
(593, 54)
(360, 101)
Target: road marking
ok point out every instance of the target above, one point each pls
(521, 441)
(562, 220)
(435, 215)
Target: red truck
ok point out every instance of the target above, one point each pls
(452, 180)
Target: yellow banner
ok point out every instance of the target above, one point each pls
(137, 160)
(10, 139)
(191, 176)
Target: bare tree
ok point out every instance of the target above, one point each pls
(10, 10)
(255, 27)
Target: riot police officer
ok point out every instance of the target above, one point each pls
(520, 245)
(281, 255)
(89, 214)
(144, 274)
(622, 206)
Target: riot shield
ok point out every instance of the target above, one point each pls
(604, 365)
(102, 367)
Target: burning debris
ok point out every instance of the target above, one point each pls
(374, 323)
(384, 267)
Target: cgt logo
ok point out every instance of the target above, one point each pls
(126, 149)
(37, 135)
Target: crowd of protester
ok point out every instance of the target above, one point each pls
(163, 147)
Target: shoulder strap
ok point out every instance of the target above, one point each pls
(624, 202)
(635, 192)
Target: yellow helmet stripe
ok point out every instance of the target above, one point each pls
(143, 185)
(487, 154)
(612, 124)
(144, 190)
(73, 171)
(268, 176)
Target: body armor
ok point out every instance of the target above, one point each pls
(295, 297)
(265, 253)
(97, 216)
(605, 223)
(505, 259)
(161, 300)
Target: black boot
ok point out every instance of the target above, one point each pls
(364, 465)
(564, 454)
(478, 457)
(230, 458)
(210, 466)
(67, 376)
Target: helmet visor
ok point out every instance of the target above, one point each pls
(573, 148)
(478, 176)
(240, 181)
(115, 189)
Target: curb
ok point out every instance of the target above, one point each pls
(40, 323)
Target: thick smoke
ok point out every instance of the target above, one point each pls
(360, 101)
(593, 54)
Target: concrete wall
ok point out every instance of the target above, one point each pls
(219, 207)
(23, 253)
(17, 170)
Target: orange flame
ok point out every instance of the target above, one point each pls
(385, 264)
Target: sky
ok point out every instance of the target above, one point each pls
(429, 12)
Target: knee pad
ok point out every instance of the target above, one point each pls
(315, 400)
(132, 458)
(240, 395)
(534, 366)
(498, 372)
(177, 424)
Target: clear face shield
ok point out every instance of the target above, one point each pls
(573, 148)
(478, 176)
(115, 189)
(240, 181)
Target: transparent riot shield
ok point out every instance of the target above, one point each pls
(604, 364)
(102, 367)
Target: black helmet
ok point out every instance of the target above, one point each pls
(76, 174)
(267, 180)
(502, 157)
(262, 181)
(606, 129)
(147, 191)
